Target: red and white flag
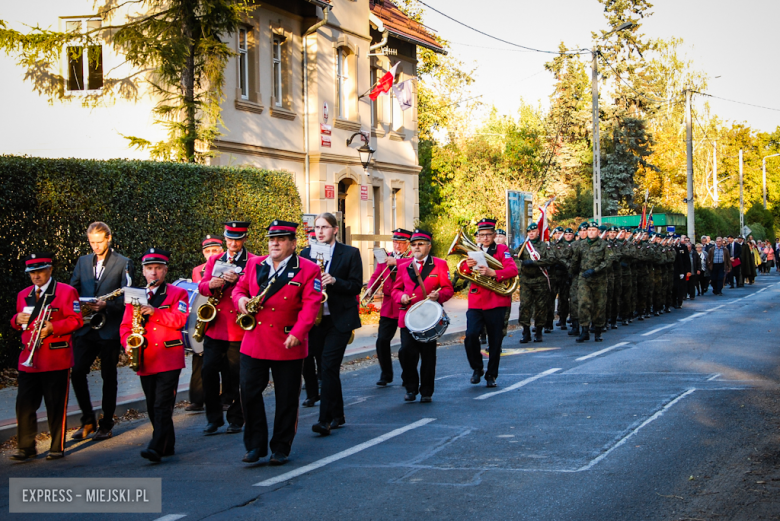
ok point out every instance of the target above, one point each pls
(384, 84)
(544, 228)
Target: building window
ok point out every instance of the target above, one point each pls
(342, 73)
(377, 210)
(85, 63)
(243, 64)
(394, 202)
(277, 57)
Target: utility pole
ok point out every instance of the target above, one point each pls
(689, 169)
(741, 201)
(715, 172)
(596, 138)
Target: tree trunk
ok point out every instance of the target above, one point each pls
(188, 83)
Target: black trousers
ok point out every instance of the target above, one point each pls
(287, 389)
(409, 355)
(387, 328)
(85, 349)
(704, 283)
(493, 320)
(53, 388)
(693, 285)
(215, 354)
(329, 343)
(160, 391)
(196, 380)
(717, 277)
(680, 289)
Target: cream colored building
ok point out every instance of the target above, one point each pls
(294, 95)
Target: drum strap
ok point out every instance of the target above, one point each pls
(419, 279)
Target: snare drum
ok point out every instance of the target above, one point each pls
(426, 321)
(196, 300)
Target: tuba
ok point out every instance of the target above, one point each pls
(462, 245)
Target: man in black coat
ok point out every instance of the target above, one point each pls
(100, 273)
(682, 272)
(342, 279)
(696, 271)
(735, 252)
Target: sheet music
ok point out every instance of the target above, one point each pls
(28, 311)
(479, 256)
(320, 250)
(221, 267)
(381, 255)
(136, 293)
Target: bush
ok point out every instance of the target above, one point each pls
(443, 228)
(48, 204)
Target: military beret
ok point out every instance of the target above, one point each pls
(612, 229)
(593, 224)
(532, 226)
(568, 230)
(583, 225)
(602, 228)
(558, 229)
(499, 231)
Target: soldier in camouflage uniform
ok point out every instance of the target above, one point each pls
(574, 306)
(591, 261)
(535, 257)
(563, 256)
(557, 273)
(615, 239)
(643, 278)
(610, 276)
(659, 278)
(628, 293)
(671, 256)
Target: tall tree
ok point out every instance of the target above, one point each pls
(177, 45)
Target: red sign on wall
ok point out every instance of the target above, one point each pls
(330, 192)
(363, 192)
(325, 141)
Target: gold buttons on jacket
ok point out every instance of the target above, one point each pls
(273, 309)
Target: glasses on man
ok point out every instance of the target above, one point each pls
(319, 228)
(485, 235)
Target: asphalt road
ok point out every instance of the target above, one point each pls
(569, 434)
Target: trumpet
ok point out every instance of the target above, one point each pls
(462, 245)
(371, 291)
(98, 320)
(247, 321)
(36, 339)
(321, 264)
(135, 342)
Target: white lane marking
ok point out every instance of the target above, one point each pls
(711, 378)
(171, 517)
(633, 432)
(759, 291)
(448, 376)
(518, 384)
(343, 454)
(695, 315)
(656, 330)
(713, 309)
(597, 353)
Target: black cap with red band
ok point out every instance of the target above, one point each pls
(236, 229)
(487, 224)
(282, 229)
(399, 234)
(210, 240)
(38, 260)
(422, 235)
(155, 256)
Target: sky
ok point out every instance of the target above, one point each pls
(734, 43)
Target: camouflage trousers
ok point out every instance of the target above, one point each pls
(555, 286)
(609, 305)
(593, 300)
(643, 285)
(534, 302)
(574, 298)
(615, 302)
(671, 294)
(563, 300)
(627, 293)
(659, 285)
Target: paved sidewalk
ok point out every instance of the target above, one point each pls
(131, 395)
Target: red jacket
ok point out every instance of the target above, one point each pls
(56, 350)
(482, 298)
(435, 274)
(197, 272)
(164, 349)
(289, 308)
(390, 307)
(224, 326)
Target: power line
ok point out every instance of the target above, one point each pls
(735, 101)
(573, 51)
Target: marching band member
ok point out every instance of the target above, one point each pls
(210, 245)
(47, 374)
(98, 274)
(163, 350)
(290, 287)
(223, 336)
(434, 275)
(343, 279)
(486, 307)
(535, 290)
(388, 314)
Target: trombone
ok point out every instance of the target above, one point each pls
(372, 290)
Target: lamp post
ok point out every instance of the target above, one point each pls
(365, 151)
(596, 138)
(763, 169)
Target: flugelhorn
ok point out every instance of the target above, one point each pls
(247, 321)
(462, 245)
(98, 320)
(37, 339)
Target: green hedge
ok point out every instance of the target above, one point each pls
(48, 204)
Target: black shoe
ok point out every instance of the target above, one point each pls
(102, 434)
(338, 423)
(477, 375)
(234, 429)
(381, 382)
(575, 328)
(625, 322)
(21, 455)
(278, 458)
(152, 455)
(252, 456)
(410, 397)
(560, 323)
(564, 327)
(84, 431)
(194, 407)
(55, 455)
(310, 402)
(169, 452)
(583, 336)
(490, 381)
(212, 428)
(598, 335)
(321, 428)
(548, 329)
(425, 399)
(613, 326)
(538, 334)
(640, 318)
(526, 337)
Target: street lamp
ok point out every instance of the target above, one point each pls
(365, 151)
(596, 138)
(763, 168)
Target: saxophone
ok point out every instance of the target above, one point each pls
(206, 313)
(247, 321)
(321, 264)
(135, 342)
(98, 320)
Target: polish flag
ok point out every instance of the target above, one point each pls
(384, 84)
(544, 227)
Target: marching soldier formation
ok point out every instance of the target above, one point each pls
(291, 316)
